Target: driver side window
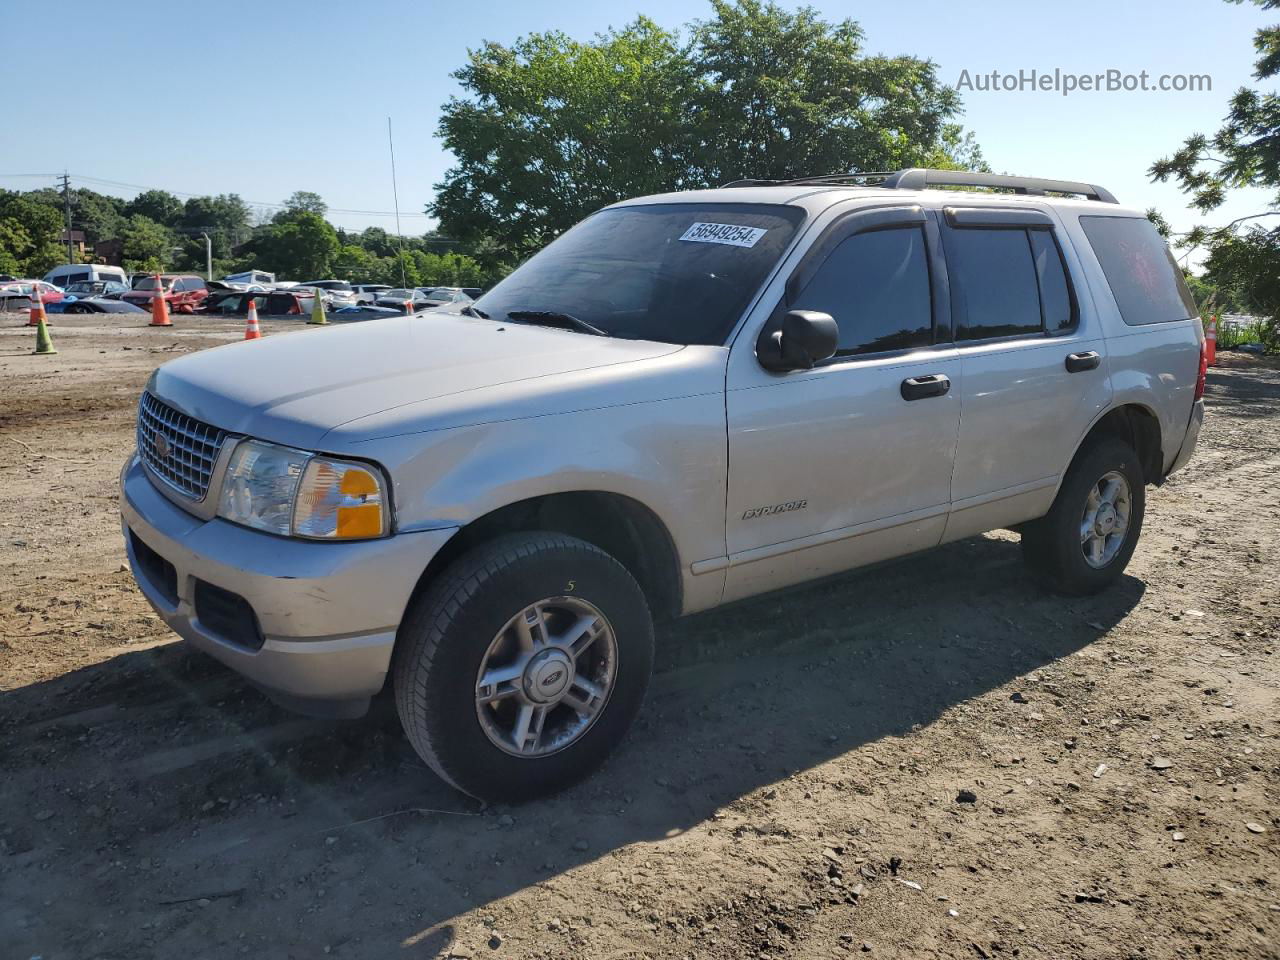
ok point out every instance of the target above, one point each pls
(876, 286)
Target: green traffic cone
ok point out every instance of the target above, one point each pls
(44, 344)
(317, 310)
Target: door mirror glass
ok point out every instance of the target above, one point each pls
(806, 337)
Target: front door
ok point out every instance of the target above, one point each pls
(849, 462)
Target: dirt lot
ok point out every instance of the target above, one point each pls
(791, 790)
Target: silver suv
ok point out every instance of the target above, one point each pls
(685, 400)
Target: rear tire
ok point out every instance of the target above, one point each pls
(515, 605)
(1083, 544)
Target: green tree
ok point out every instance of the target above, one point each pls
(1243, 255)
(148, 246)
(378, 242)
(96, 214)
(787, 94)
(158, 205)
(354, 264)
(304, 200)
(551, 129)
(225, 218)
(29, 232)
(301, 248)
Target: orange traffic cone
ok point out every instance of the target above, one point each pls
(159, 308)
(38, 315)
(251, 330)
(408, 307)
(1211, 341)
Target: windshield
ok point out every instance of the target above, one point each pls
(675, 273)
(149, 283)
(398, 294)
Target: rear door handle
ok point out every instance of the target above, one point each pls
(932, 385)
(1077, 362)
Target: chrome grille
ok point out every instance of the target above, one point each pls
(178, 449)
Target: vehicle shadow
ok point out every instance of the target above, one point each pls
(188, 768)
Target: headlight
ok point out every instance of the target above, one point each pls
(292, 492)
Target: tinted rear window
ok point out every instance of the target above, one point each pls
(675, 273)
(1145, 280)
(993, 275)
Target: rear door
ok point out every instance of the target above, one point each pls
(849, 462)
(1033, 363)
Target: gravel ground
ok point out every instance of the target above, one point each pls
(864, 766)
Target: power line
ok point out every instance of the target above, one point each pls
(100, 181)
(252, 203)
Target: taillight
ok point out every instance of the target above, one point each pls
(1204, 369)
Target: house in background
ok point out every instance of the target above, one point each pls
(77, 243)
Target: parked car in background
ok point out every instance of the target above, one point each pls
(396, 298)
(249, 278)
(20, 294)
(183, 292)
(241, 287)
(84, 305)
(439, 296)
(424, 298)
(110, 289)
(79, 272)
(337, 293)
(369, 292)
(272, 303)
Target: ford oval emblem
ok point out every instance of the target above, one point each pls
(552, 679)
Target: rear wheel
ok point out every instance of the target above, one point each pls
(1083, 544)
(522, 667)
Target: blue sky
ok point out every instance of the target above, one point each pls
(265, 98)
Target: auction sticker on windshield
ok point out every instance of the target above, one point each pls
(728, 233)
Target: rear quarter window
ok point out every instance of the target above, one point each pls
(1144, 279)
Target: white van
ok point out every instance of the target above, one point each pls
(74, 272)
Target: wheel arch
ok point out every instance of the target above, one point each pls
(621, 526)
(1138, 426)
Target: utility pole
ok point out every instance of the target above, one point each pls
(396, 194)
(66, 204)
(208, 255)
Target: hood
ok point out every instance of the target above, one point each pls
(296, 388)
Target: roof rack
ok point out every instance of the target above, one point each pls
(918, 178)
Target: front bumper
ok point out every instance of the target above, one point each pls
(324, 615)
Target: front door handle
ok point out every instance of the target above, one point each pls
(932, 385)
(1077, 362)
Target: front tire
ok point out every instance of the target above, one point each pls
(1083, 544)
(521, 668)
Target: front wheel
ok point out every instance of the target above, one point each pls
(520, 669)
(1084, 542)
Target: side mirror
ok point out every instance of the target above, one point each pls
(805, 338)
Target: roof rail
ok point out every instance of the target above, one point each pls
(832, 178)
(918, 179)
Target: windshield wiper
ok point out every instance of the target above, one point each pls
(471, 311)
(553, 318)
